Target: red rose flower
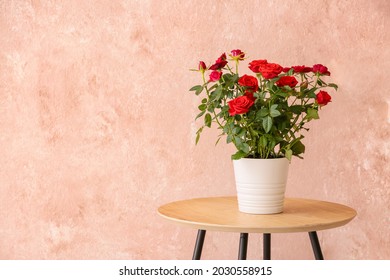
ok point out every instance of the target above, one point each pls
(255, 64)
(319, 68)
(250, 95)
(251, 83)
(240, 105)
(287, 81)
(202, 66)
(323, 98)
(215, 76)
(220, 63)
(237, 55)
(301, 69)
(270, 70)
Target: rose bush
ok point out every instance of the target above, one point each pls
(263, 114)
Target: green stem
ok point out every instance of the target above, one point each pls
(230, 69)
(208, 95)
(205, 85)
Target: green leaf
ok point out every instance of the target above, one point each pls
(289, 154)
(238, 142)
(198, 134)
(272, 144)
(311, 93)
(238, 155)
(273, 111)
(230, 79)
(263, 141)
(200, 114)
(216, 95)
(195, 88)
(243, 132)
(333, 86)
(197, 138)
(297, 109)
(202, 107)
(262, 113)
(225, 109)
(283, 125)
(298, 148)
(228, 139)
(198, 89)
(211, 107)
(236, 130)
(213, 87)
(312, 114)
(204, 100)
(207, 120)
(245, 148)
(226, 129)
(281, 94)
(267, 124)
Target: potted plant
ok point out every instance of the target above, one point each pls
(263, 114)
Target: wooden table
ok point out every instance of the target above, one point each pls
(221, 214)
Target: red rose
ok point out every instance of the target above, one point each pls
(240, 105)
(215, 76)
(251, 83)
(287, 81)
(319, 68)
(237, 55)
(270, 70)
(220, 63)
(202, 66)
(323, 98)
(254, 65)
(250, 95)
(301, 69)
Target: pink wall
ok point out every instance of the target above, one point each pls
(97, 130)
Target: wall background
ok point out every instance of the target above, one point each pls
(97, 124)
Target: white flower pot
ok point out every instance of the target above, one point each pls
(261, 184)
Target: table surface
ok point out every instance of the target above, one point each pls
(221, 214)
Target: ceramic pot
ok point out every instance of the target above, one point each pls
(261, 184)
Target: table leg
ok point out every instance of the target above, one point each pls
(199, 244)
(315, 244)
(243, 246)
(266, 246)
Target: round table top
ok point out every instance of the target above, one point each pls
(221, 214)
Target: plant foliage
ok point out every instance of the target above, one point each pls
(264, 114)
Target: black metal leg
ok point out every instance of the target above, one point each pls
(199, 244)
(315, 244)
(266, 246)
(243, 246)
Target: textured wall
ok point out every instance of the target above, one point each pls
(97, 130)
